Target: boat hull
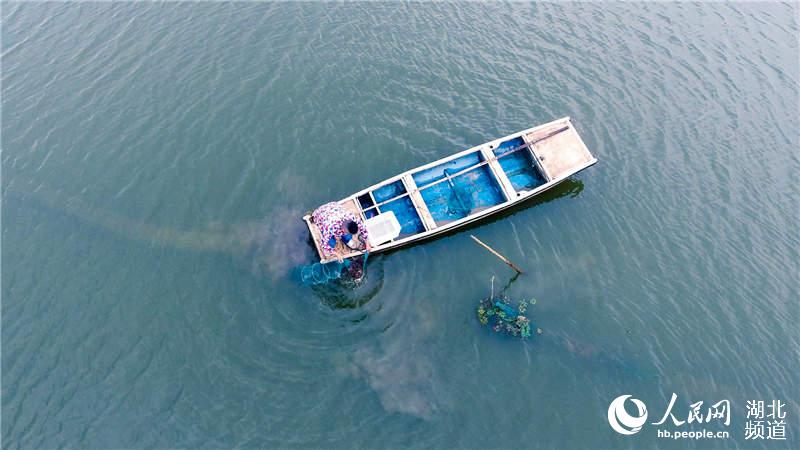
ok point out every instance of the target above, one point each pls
(466, 187)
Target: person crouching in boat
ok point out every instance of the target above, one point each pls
(351, 238)
(337, 224)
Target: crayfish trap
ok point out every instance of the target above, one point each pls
(502, 316)
(506, 316)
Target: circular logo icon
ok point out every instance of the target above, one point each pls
(621, 421)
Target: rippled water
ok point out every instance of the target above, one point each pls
(157, 159)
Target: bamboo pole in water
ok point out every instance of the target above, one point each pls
(495, 253)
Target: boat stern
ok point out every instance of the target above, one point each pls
(562, 154)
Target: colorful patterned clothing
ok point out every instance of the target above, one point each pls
(331, 218)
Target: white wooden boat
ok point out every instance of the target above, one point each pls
(462, 188)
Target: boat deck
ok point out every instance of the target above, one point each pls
(560, 154)
(341, 251)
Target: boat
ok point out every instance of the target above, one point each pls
(459, 189)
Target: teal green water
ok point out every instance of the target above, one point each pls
(157, 159)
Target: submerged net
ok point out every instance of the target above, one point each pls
(348, 270)
(503, 316)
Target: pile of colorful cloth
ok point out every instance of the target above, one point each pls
(332, 220)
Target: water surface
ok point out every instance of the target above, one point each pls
(157, 159)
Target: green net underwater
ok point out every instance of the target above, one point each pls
(505, 316)
(348, 270)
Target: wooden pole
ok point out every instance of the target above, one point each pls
(503, 258)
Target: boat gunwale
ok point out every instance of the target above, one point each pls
(475, 148)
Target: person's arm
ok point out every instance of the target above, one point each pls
(362, 234)
(329, 239)
(326, 248)
(331, 251)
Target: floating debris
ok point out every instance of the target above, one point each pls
(502, 316)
